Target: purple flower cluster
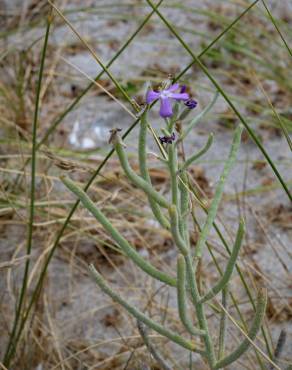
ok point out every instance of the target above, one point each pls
(166, 97)
(167, 139)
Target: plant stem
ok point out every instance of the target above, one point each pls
(219, 192)
(174, 221)
(145, 173)
(197, 155)
(182, 298)
(172, 163)
(210, 353)
(229, 268)
(137, 180)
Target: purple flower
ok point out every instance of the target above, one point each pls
(167, 139)
(166, 96)
(191, 103)
(183, 89)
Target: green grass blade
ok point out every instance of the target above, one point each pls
(277, 28)
(11, 348)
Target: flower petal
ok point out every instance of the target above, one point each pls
(173, 87)
(165, 107)
(151, 96)
(179, 96)
(183, 89)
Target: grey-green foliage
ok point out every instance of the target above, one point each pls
(173, 215)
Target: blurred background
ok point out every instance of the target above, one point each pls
(65, 322)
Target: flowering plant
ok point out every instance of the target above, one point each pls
(173, 215)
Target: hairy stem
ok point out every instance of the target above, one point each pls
(179, 241)
(182, 298)
(210, 353)
(230, 266)
(219, 192)
(145, 173)
(184, 205)
(172, 162)
(137, 180)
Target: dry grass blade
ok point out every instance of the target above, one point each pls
(101, 87)
(13, 263)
